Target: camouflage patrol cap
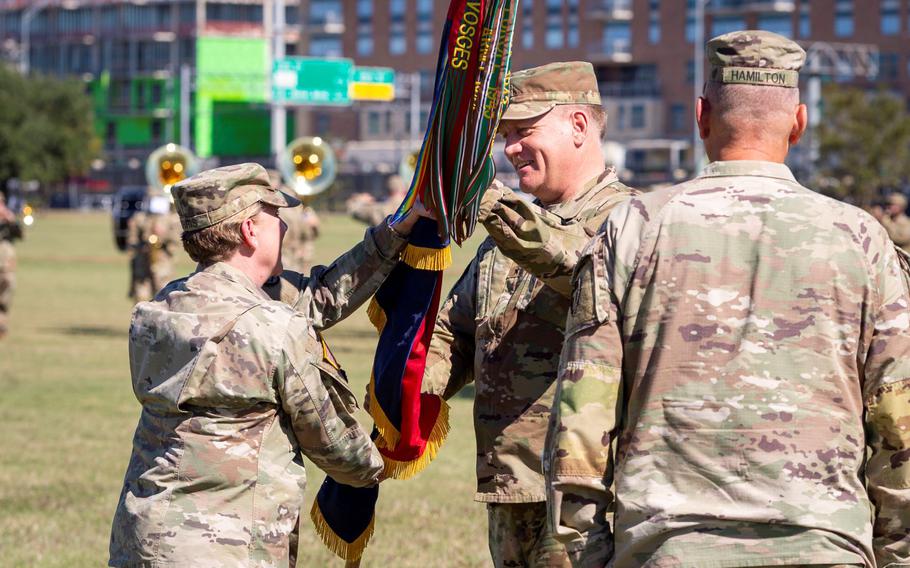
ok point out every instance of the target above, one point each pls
(212, 196)
(755, 57)
(534, 92)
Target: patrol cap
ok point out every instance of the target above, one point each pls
(755, 57)
(534, 92)
(212, 196)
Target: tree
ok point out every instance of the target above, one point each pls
(46, 128)
(864, 143)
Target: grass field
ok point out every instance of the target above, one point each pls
(67, 414)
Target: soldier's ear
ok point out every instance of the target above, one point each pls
(800, 123)
(703, 117)
(580, 126)
(249, 233)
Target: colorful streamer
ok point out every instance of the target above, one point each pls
(454, 167)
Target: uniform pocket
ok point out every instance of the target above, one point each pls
(337, 386)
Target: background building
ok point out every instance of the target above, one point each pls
(143, 61)
(643, 51)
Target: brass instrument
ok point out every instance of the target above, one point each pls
(168, 165)
(308, 165)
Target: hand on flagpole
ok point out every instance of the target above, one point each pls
(404, 226)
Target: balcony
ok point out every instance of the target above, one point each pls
(611, 9)
(724, 7)
(617, 50)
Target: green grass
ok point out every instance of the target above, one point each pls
(67, 414)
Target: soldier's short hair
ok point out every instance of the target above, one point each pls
(217, 242)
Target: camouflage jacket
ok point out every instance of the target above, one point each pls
(235, 389)
(502, 328)
(154, 237)
(898, 229)
(372, 212)
(736, 362)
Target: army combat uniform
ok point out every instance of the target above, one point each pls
(153, 240)
(744, 345)
(235, 388)
(10, 231)
(502, 328)
(898, 226)
(299, 241)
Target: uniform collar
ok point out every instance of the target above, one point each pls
(580, 201)
(748, 168)
(232, 274)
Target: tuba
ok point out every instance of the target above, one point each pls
(307, 165)
(169, 164)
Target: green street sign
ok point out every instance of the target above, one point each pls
(311, 81)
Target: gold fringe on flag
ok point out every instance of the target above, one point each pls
(388, 433)
(408, 469)
(423, 258)
(342, 548)
(376, 314)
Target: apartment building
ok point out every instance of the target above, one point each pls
(643, 51)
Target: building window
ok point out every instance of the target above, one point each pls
(110, 133)
(527, 24)
(727, 24)
(843, 18)
(654, 21)
(690, 21)
(690, 71)
(638, 116)
(891, 19)
(805, 21)
(397, 32)
(888, 64)
(364, 27)
(425, 37)
(251, 13)
(324, 12)
(157, 131)
(621, 118)
(157, 94)
(677, 117)
(374, 122)
(777, 23)
(572, 31)
(617, 38)
(325, 45)
(554, 38)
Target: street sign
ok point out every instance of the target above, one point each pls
(311, 81)
(373, 84)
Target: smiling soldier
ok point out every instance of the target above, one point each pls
(502, 325)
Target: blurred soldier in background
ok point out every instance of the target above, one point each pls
(236, 388)
(365, 208)
(302, 232)
(10, 231)
(502, 324)
(895, 220)
(738, 350)
(153, 238)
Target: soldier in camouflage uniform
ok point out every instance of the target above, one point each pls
(153, 239)
(364, 208)
(502, 324)
(10, 231)
(236, 388)
(894, 219)
(737, 358)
